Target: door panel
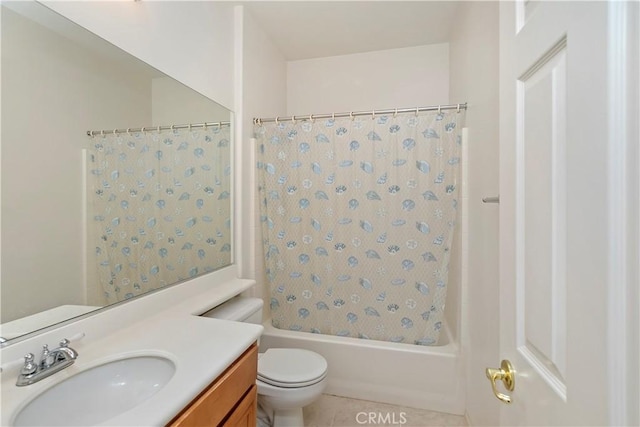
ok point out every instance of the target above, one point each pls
(541, 213)
(553, 188)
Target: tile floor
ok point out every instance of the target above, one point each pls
(334, 411)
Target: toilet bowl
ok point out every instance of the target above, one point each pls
(288, 378)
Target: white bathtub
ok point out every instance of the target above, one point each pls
(400, 374)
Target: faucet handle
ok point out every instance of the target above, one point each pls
(46, 359)
(29, 366)
(64, 343)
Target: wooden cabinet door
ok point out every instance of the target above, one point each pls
(245, 413)
(219, 402)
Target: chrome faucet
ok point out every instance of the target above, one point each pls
(51, 362)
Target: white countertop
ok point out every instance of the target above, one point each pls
(201, 348)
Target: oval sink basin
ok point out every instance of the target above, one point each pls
(97, 394)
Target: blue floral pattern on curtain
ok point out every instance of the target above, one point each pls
(358, 217)
(160, 209)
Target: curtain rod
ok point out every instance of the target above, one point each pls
(157, 128)
(372, 113)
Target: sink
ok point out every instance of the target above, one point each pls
(98, 394)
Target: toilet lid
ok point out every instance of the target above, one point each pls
(291, 367)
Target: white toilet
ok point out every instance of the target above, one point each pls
(288, 378)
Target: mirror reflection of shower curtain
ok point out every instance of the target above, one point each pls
(358, 217)
(159, 204)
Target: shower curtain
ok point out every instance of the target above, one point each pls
(357, 217)
(158, 204)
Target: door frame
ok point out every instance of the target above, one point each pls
(624, 213)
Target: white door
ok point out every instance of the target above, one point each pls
(554, 217)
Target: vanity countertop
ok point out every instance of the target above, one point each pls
(167, 324)
(201, 348)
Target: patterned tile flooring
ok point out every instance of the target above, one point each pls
(334, 411)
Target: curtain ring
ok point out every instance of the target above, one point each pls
(439, 109)
(458, 109)
(395, 113)
(219, 125)
(277, 120)
(158, 129)
(114, 132)
(293, 120)
(129, 131)
(102, 133)
(417, 109)
(333, 116)
(173, 128)
(189, 127)
(351, 115)
(373, 114)
(311, 118)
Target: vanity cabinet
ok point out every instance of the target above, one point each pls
(230, 400)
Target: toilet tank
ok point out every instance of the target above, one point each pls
(239, 309)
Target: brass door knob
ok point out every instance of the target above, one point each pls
(507, 375)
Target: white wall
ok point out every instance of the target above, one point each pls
(408, 77)
(474, 78)
(53, 91)
(190, 41)
(263, 94)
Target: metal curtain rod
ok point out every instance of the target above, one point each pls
(157, 128)
(372, 113)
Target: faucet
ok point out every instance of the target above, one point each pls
(51, 362)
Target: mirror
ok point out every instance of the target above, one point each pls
(58, 82)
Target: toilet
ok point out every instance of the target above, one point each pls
(288, 378)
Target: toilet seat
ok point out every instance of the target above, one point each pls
(291, 367)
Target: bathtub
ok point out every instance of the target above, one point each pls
(425, 377)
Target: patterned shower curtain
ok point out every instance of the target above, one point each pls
(159, 205)
(358, 216)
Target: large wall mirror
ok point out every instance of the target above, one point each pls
(89, 221)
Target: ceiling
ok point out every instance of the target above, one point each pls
(312, 29)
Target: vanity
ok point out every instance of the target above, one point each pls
(206, 367)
